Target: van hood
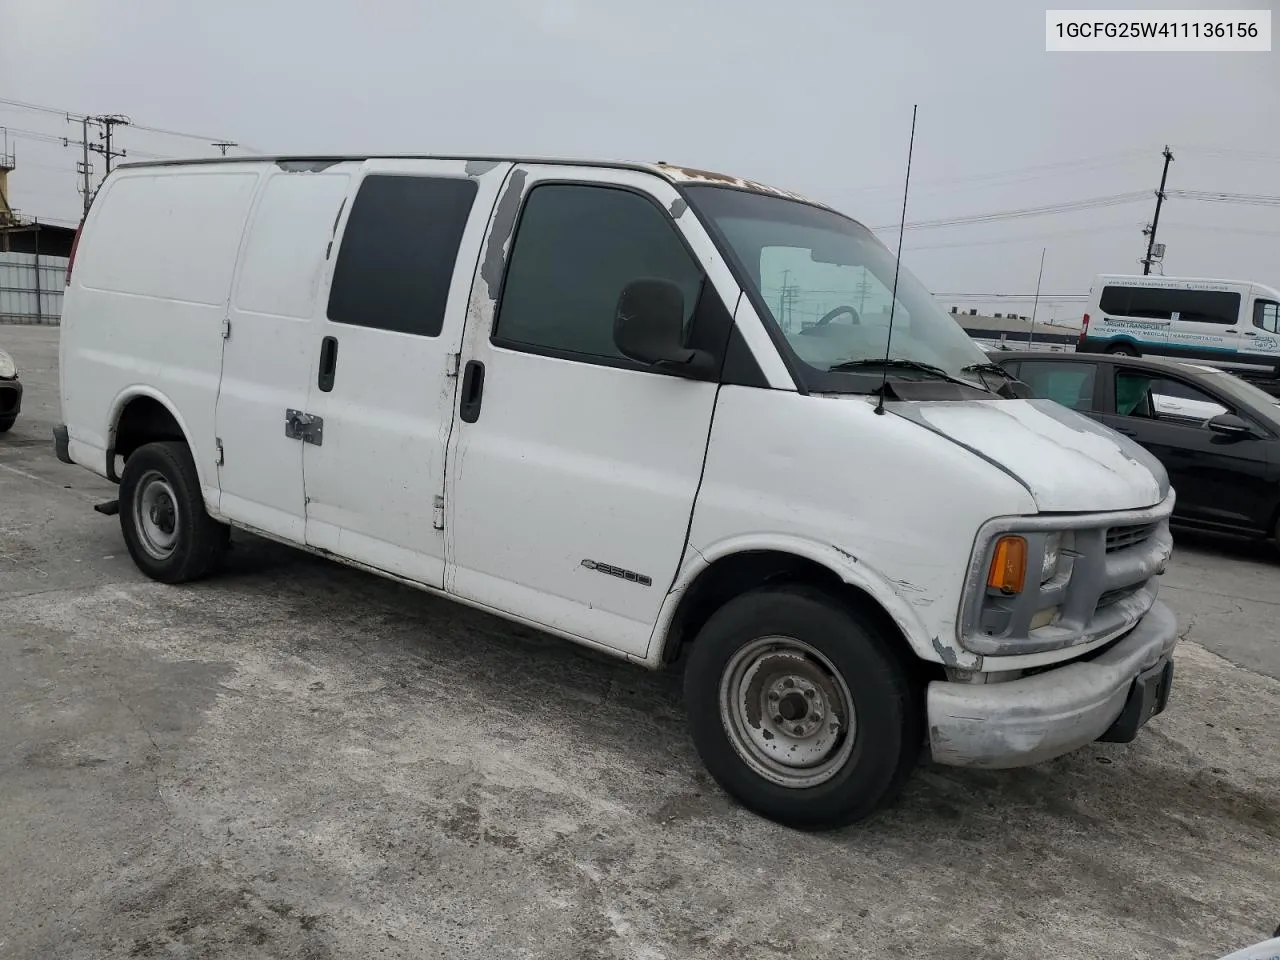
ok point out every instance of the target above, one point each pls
(1068, 462)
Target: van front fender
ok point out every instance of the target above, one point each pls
(845, 564)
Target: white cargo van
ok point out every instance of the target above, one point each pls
(642, 407)
(1234, 324)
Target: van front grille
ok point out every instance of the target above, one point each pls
(1131, 535)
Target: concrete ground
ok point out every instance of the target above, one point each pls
(298, 760)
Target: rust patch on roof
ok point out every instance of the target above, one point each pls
(694, 175)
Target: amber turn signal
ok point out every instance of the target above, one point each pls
(1008, 565)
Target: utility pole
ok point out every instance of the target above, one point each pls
(782, 300)
(86, 170)
(1036, 304)
(1155, 221)
(107, 124)
(222, 145)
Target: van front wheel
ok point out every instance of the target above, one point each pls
(800, 709)
(1122, 350)
(162, 516)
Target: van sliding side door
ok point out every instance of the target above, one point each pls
(381, 397)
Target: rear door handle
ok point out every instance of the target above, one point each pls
(1248, 333)
(472, 391)
(328, 363)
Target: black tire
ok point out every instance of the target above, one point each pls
(1123, 350)
(159, 489)
(6, 423)
(862, 772)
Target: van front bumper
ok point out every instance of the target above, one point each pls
(1021, 722)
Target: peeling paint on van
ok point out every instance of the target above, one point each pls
(693, 175)
(478, 168)
(306, 166)
(504, 221)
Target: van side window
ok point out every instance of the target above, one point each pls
(1149, 303)
(575, 248)
(398, 253)
(1266, 315)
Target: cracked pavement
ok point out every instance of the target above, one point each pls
(298, 760)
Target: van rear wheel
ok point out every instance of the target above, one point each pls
(170, 535)
(800, 708)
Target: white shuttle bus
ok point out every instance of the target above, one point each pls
(1234, 324)
(559, 391)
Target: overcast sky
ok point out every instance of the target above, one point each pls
(814, 95)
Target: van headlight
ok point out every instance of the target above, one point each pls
(8, 369)
(1014, 561)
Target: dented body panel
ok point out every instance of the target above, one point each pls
(1041, 717)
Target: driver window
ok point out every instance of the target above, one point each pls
(1266, 315)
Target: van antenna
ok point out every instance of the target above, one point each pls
(897, 266)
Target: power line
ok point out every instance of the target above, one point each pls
(1213, 196)
(1230, 153)
(73, 115)
(1091, 203)
(1034, 172)
(1218, 228)
(1027, 238)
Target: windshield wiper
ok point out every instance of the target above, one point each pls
(1012, 388)
(899, 363)
(988, 367)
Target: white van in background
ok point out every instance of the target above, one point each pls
(558, 391)
(1234, 324)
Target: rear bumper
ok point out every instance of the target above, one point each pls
(1027, 721)
(10, 398)
(61, 440)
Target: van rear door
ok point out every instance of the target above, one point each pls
(384, 355)
(1261, 324)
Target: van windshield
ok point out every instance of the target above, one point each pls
(826, 283)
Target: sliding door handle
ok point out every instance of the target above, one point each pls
(328, 363)
(472, 391)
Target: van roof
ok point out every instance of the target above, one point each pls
(1139, 278)
(674, 173)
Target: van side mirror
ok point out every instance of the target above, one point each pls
(649, 327)
(1229, 425)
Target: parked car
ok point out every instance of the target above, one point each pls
(558, 391)
(10, 392)
(1217, 435)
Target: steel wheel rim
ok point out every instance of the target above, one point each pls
(155, 515)
(787, 711)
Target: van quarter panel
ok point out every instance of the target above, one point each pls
(146, 302)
